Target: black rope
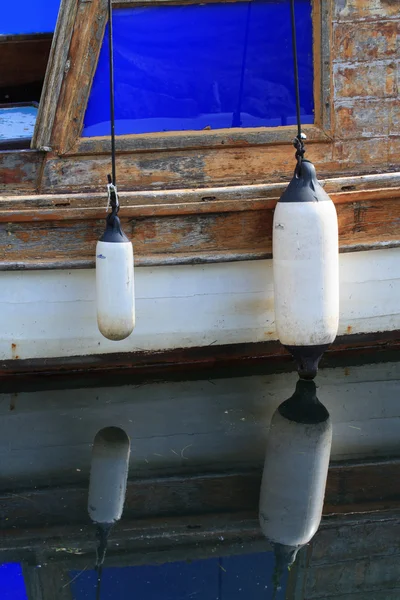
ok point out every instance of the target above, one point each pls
(102, 533)
(99, 575)
(298, 141)
(112, 98)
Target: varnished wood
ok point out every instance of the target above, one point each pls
(212, 167)
(84, 49)
(186, 226)
(20, 171)
(191, 140)
(360, 10)
(57, 67)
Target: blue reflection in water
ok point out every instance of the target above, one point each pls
(228, 578)
(12, 583)
(210, 66)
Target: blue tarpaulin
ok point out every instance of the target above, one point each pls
(24, 17)
(209, 66)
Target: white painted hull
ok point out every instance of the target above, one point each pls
(53, 313)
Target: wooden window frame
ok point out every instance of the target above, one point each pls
(69, 77)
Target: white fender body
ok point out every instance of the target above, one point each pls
(115, 289)
(306, 272)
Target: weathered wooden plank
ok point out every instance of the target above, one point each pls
(252, 165)
(20, 171)
(367, 153)
(322, 50)
(394, 150)
(181, 233)
(366, 42)
(364, 118)
(57, 67)
(176, 140)
(374, 80)
(366, 9)
(172, 169)
(83, 54)
(378, 187)
(395, 120)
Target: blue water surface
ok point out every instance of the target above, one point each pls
(207, 66)
(23, 17)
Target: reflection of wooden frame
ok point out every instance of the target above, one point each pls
(61, 119)
(169, 515)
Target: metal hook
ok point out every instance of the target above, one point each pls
(112, 197)
(298, 143)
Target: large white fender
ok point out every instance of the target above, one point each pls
(306, 269)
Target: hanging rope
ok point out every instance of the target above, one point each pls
(299, 139)
(112, 179)
(98, 589)
(102, 534)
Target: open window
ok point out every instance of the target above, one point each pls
(26, 32)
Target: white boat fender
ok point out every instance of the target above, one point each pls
(115, 289)
(306, 269)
